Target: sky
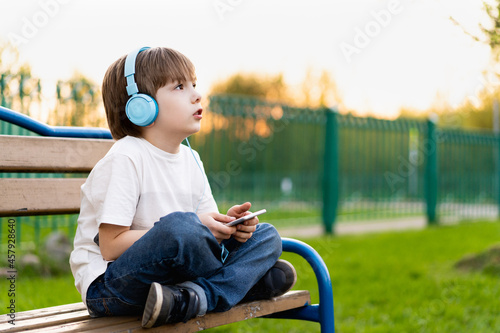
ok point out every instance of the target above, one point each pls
(382, 54)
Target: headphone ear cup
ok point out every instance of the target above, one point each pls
(141, 109)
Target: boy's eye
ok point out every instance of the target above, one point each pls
(179, 86)
(194, 85)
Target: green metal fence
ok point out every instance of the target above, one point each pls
(377, 175)
(267, 153)
(313, 167)
(468, 175)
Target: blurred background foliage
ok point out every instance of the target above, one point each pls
(76, 101)
(18, 88)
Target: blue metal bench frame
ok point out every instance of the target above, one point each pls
(322, 313)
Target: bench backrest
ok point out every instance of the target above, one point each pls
(45, 196)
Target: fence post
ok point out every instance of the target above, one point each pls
(431, 176)
(496, 154)
(330, 172)
(2, 90)
(497, 136)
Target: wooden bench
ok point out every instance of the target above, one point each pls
(77, 150)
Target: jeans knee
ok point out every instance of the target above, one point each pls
(270, 235)
(178, 224)
(182, 230)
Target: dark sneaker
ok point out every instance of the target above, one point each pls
(169, 304)
(277, 281)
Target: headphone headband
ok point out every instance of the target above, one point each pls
(130, 71)
(141, 109)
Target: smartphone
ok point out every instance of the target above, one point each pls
(245, 218)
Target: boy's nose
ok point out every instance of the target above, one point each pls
(196, 97)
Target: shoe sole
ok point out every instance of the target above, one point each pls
(153, 306)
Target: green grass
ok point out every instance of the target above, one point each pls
(32, 292)
(389, 282)
(402, 282)
(31, 231)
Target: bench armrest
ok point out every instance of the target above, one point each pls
(322, 312)
(35, 126)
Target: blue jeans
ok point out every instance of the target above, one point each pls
(179, 249)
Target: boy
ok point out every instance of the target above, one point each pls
(150, 238)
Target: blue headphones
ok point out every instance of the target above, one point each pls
(141, 109)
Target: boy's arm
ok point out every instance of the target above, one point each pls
(116, 239)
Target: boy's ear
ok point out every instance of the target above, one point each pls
(150, 125)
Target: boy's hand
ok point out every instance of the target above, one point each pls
(245, 230)
(218, 229)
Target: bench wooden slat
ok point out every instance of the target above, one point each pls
(55, 319)
(44, 312)
(103, 324)
(42, 154)
(71, 318)
(38, 196)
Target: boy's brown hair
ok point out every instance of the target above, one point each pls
(154, 68)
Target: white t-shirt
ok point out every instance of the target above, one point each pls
(134, 185)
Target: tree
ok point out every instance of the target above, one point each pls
(315, 91)
(493, 33)
(482, 115)
(18, 88)
(477, 110)
(78, 103)
(266, 87)
(318, 90)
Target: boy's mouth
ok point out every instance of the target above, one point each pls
(198, 114)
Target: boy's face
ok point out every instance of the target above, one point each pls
(180, 111)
